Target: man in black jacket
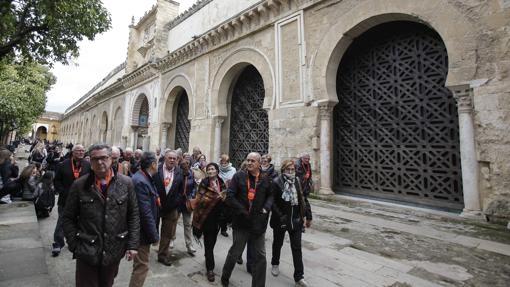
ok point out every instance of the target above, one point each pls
(147, 196)
(249, 196)
(67, 172)
(170, 184)
(101, 221)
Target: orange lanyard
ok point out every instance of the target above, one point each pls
(108, 178)
(76, 172)
(252, 191)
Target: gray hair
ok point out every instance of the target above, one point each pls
(169, 150)
(115, 149)
(147, 159)
(256, 154)
(100, 146)
(77, 146)
(128, 149)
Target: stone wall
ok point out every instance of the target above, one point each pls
(297, 46)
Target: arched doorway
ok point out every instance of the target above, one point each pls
(117, 127)
(103, 127)
(140, 122)
(249, 126)
(41, 133)
(182, 123)
(396, 124)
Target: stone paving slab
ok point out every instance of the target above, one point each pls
(329, 258)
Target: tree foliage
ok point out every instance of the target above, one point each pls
(23, 90)
(48, 31)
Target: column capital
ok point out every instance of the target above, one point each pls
(166, 125)
(218, 120)
(463, 94)
(326, 110)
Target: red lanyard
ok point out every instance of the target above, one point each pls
(76, 172)
(252, 191)
(307, 171)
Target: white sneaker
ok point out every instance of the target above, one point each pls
(302, 283)
(171, 244)
(275, 270)
(191, 250)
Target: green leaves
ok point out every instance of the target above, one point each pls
(48, 31)
(23, 90)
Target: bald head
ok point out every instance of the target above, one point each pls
(253, 162)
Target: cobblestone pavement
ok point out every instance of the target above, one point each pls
(352, 242)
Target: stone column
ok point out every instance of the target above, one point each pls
(135, 138)
(325, 113)
(164, 136)
(469, 164)
(146, 142)
(124, 142)
(218, 121)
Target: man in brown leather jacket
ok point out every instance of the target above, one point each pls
(101, 221)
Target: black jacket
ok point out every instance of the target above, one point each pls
(64, 178)
(98, 230)
(255, 221)
(283, 212)
(146, 195)
(175, 197)
(306, 183)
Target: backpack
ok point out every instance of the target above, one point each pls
(37, 157)
(44, 201)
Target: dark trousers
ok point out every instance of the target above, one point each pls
(250, 256)
(58, 235)
(295, 246)
(241, 237)
(210, 237)
(95, 276)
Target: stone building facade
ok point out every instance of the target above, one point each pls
(47, 127)
(394, 99)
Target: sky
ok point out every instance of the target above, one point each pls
(97, 58)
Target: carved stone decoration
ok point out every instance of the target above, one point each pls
(396, 128)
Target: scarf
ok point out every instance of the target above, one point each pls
(226, 173)
(289, 193)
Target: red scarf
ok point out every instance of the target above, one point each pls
(76, 171)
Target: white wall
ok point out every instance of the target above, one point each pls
(209, 16)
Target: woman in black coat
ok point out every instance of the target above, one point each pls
(291, 211)
(208, 213)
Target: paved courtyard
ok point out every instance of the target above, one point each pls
(351, 243)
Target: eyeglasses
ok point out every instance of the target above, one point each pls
(101, 158)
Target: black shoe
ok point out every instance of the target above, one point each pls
(210, 276)
(224, 233)
(165, 261)
(224, 282)
(240, 261)
(55, 251)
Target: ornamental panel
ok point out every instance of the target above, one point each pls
(396, 124)
(249, 126)
(182, 126)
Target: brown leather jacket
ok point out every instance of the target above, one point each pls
(98, 230)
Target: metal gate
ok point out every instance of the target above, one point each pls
(249, 127)
(182, 126)
(396, 125)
